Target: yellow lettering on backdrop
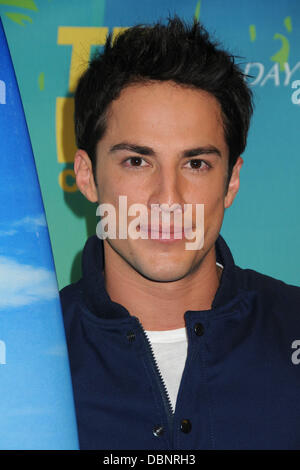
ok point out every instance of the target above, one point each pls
(65, 135)
(117, 30)
(81, 39)
(66, 179)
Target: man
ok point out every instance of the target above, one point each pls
(173, 348)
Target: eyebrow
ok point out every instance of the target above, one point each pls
(144, 150)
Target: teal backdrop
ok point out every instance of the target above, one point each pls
(50, 42)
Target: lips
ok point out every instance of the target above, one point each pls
(175, 233)
(161, 230)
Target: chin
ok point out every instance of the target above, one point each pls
(168, 273)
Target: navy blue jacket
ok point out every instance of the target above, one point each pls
(240, 388)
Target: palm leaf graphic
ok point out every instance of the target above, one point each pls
(282, 55)
(197, 10)
(19, 18)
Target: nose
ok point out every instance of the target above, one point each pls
(167, 191)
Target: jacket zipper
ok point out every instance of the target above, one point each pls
(162, 386)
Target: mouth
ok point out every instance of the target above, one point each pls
(162, 235)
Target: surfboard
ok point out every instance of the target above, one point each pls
(36, 397)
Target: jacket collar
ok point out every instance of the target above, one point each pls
(99, 302)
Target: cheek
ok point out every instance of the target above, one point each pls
(111, 186)
(214, 205)
(210, 192)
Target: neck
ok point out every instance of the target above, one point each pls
(161, 305)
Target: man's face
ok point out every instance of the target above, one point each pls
(169, 122)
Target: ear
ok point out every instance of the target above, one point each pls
(234, 183)
(84, 175)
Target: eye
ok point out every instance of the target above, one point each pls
(134, 162)
(198, 165)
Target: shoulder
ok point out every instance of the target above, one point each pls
(71, 294)
(71, 300)
(271, 289)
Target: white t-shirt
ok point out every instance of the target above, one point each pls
(170, 351)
